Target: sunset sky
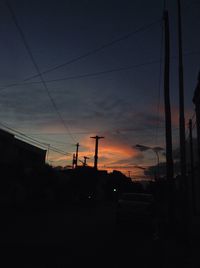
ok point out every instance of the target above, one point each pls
(120, 102)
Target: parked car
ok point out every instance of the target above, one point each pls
(137, 210)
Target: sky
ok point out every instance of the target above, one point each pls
(115, 91)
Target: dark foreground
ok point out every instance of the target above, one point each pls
(75, 236)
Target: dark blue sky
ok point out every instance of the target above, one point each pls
(121, 105)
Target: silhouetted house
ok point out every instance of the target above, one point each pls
(196, 101)
(15, 152)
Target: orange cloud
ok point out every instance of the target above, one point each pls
(114, 153)
(110, 153)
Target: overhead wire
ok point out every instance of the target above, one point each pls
(39, 74)
(84, 75)
(51, 140)
(93, 74)
(72, 61)
(25, 137)
(89, 53)
(94, 51)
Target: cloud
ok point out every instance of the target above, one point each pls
(141, 148)
(112, 116)
(144, 148)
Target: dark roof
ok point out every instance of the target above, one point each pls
(6, 134)
(28, 146)
(20, 143)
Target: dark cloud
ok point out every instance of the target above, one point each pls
(121, 105)
(141, 148)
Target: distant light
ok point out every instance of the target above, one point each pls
(114, 190)
(89, 196)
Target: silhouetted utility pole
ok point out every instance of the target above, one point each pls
(192, 165)
(85, 160)
(184, 181)
(97, 138)
(168, 129)
(76, 159)
(191, 149)
(181, 103)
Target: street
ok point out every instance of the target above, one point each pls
(74, 237)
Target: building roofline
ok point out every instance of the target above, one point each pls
(20, 142)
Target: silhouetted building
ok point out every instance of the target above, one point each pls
(196, 101)
(15, 152)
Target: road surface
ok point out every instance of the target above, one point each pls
(74, 237)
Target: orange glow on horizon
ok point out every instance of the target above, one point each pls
(110, 157)
(114, 154)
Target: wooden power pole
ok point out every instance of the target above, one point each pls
(76, 158)
(85, 161)
(181, 105)
(97, 138)
(184, 180)
(192, 166)
(168, 128)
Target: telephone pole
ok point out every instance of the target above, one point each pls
(181, 104)
(76, 158)
(97, 138)
(85, 161)
(73, 161)
(184, 180)
(168, 128)
(192, 166)
(191, 149)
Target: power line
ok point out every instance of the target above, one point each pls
(39, 74)
(52, 140)
(42, 144)
(94, 51)
(87, 75)
(83, 55)
(84, 75)
(58, 151)
(23, 136)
